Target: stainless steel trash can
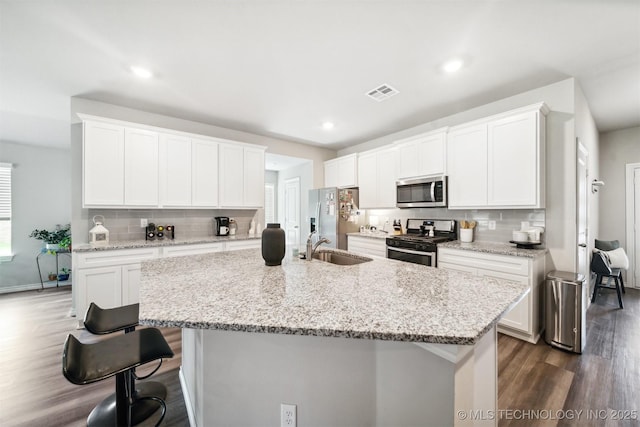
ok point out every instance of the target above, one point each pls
(565, 312)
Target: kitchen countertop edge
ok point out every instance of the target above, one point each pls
(137, 244)
(495, 248)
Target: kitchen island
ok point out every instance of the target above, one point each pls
(374, 344)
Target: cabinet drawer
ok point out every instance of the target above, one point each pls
(501, 263)
(367, 246)
(236, 245)
(457, 267)
(181, 250)
(115, 257)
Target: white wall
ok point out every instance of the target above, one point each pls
(617, 148)
(560, 159)
(41, 198)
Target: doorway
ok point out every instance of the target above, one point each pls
(582, 214)
(633, 223)
(292, 210)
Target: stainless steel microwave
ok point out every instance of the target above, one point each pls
(422, 192)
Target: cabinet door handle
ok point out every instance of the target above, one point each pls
(583, 245)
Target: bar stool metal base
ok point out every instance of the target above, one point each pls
(105, 412)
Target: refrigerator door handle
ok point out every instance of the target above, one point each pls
(318, 207)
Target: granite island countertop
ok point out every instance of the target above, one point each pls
(134, 244)
(496, 248)
(381, 299)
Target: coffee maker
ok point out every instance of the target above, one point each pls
(222, 226)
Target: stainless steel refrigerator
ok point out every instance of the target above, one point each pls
(333, 212)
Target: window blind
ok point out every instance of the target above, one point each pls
(5, 191)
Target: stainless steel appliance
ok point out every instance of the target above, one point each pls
(565, 311)
(419, 244)
(333, 212)
(422, 192)
(222, 226)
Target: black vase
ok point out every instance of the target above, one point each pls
(273, 244)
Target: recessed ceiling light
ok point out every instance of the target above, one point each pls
(141, 72)
(327, 125)
(453, 65)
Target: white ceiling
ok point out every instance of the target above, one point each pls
(281, 68)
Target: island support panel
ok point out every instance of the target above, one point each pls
(241, 378)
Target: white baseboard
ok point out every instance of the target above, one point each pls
(29, 287)
(187, 400)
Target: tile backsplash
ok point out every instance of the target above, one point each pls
(506, 220)
(124, 224)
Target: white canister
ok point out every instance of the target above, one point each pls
(466, 235)
(520, 236)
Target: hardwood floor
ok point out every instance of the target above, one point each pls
(603, 382)
(33, 391)
(606, 377)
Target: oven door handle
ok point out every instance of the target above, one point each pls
(409, 251)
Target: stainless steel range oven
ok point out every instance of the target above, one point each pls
(419, 245)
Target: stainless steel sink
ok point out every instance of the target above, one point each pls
(339, 258)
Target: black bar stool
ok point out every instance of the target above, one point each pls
(116, 356)
(101, 321)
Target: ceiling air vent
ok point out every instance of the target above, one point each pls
(382, 92)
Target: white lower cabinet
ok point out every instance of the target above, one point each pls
(108, 278)
(367, 246)
(524, 320)
(236, 245)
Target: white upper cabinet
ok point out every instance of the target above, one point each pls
(498, 162)
(102, 164)
(331, 173)
(514, 161)
(231, 164)
(467, 166)
(141, 180)
(377, 176)
(241, 176)
(138, 166)
(253, 177)
(188, 172)
(422, 154)
(341, 172)
(204, 173)
(175, 170)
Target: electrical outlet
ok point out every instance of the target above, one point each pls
(492, 225)
(287, 415)
(143, 222)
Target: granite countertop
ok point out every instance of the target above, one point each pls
(496, 248)
(134, 244)
(381, 299)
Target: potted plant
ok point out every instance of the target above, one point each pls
(64, 275)
(52, 276)
(53, 238)
(65, 243)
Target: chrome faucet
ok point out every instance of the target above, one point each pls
(311, 248)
